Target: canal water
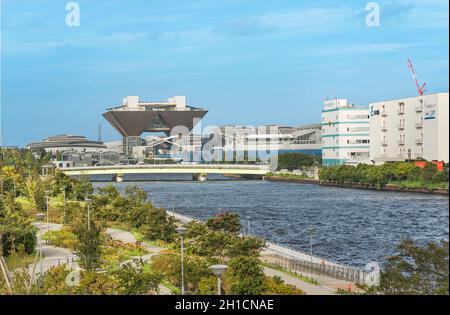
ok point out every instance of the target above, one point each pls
(348, 226)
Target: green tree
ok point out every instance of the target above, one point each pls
(157, 224)
(429, 172)
(135, 281)
(245, 276)
(89, 242)
(416, 270)
(295, 161)
(225, 221)
(15, 229)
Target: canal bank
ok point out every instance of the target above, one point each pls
(348, 226)
(281, 260)
(387, 187)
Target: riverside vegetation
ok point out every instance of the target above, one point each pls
(401, 174)
(104, 261)
(404, 175)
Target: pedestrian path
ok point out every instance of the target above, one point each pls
(308, 288)
(52, 256)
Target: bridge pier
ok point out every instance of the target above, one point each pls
(202, 177)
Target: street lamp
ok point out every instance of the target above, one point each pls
(47, 193)
(40, 217)
(310, 244)
(88, 201)
(153, 199)
(181, 231)
(64, 204)
(173, 205)
(219, 270)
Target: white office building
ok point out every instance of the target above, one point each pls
(410, 129)
(345, 133)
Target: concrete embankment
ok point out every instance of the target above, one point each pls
(388, 187)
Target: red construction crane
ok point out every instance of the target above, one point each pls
(420, 88)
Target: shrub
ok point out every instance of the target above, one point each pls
(13, 239)
(276, 286)
(225, 221)
(61, 238)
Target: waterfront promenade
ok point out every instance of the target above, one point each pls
(279, 256)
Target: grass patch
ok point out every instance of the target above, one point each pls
(289, 176)
(143, 239)
(171, 287)
(118, 225)
(61, 238)
(340, 291)
(294, 274)
(114, 252)
(55, 207)
(19, 260)
(420, 185)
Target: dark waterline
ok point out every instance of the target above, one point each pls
(349, 226)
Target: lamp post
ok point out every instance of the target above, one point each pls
(219, 270)
(181, 231)
(173, 205)
(47, 193)
(40, 217)
(64, 204)
(310, 244)
(88, 201)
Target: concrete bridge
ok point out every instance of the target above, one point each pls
(199, 171)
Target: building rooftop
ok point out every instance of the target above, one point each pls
(66, 140)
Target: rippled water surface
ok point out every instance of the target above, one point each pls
(348, 226)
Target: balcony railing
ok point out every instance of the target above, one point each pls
(383, 113)
(401, 142)
(401, 111)
(384, 143)
(419, 125)
(419, 109)
(383, 128)
(419, 141)
(400, 127)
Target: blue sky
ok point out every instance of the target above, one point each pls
(248, 62)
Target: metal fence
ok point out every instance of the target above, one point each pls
(336, 272)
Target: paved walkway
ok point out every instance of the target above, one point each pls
(324, 281)
(129, 238)
(52, 256)
(55, 256)
(308, 288)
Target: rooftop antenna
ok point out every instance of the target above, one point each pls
(421, 89)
